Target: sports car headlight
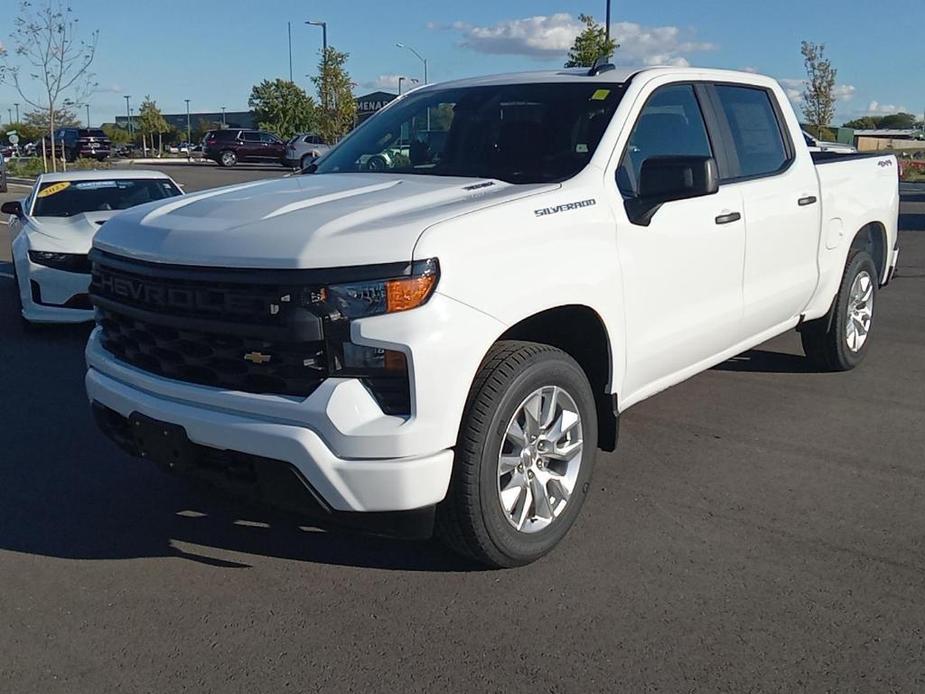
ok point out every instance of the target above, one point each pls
(69, 262)
(375, 297)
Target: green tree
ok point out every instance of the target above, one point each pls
(864, 123)
(337, 108)
(150, 122)
(49, 64)
(592, 43)
(819, 95)
(282, 107)
(117, 134)
(898, 121)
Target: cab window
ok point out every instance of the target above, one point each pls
(671, 124)
(756, 132)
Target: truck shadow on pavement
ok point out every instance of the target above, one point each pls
(67, 492)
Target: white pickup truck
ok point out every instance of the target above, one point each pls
(443, 344)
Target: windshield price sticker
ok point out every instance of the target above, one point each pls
(53, 189)
(600, 95)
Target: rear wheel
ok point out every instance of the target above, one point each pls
(839, 340)
(227, 158)
(306, 161)
(524, 456)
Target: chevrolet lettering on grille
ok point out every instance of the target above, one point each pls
(160, 296)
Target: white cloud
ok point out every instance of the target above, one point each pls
(550, 37)
(875, 108)
(389, 82)
(795, 87)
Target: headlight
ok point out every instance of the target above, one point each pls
(375, 297)
(68, 262)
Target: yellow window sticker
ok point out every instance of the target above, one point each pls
(600, 95)
(52, 189)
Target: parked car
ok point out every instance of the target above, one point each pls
(80, 142)
(52, 228)
(230, 146)
(444, 344)
(305, 148)
(3, 174)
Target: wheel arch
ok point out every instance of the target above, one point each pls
(579, 331)
(872, 237)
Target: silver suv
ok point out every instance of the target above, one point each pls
(304, 148)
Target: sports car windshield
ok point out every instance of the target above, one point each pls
(519, 133)
(68, 198)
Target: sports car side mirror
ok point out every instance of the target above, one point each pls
(13, 207)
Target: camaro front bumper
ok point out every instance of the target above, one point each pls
(53, 296)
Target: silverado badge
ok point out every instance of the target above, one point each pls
(257, 357)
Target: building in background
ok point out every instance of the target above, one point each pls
(369, 104)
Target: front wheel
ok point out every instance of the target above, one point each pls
(524, 456)
(839, 340)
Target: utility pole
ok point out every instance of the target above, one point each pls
(189, 132)
(289, 30)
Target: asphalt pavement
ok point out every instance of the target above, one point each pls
(760, 528)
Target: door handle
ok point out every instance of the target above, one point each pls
(728, 218)
(808, 200)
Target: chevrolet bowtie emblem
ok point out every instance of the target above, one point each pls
(257, 357)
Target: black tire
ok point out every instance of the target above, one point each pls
(227, 158)
(825, 340)
(377, 163)
(471, 519)
(306, 161)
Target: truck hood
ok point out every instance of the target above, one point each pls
(307, 221)
(68, 234)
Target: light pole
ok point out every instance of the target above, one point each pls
(607, 23)
(323, 84)
(88, 114)
(402, 79)
(9, 115)
(223, 117)
(128, 114)
(189, 132)
(17, 112)
(419, 56)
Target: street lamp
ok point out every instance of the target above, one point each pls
(419, 56)
(9, 115)
(17, 112)
(223, 117)
(402, 79)
(323, 83)
(189, 135)
(128, 114)
(607, 23)
(88, 114)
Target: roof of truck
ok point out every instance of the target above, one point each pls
(616, 75)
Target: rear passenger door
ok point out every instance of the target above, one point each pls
(779, 189)
(682, 272)
(253, 147)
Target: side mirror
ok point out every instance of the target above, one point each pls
(664, 179)
(13, 207)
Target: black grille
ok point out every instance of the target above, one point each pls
(233, 362)
(241, 330)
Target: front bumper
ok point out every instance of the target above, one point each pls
(365, 485)
(54, 296)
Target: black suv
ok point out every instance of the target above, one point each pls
(81, 142)
(228, 147)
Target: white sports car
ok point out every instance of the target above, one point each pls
(52, 229)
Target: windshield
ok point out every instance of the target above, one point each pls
(67, 198)
(519, 133)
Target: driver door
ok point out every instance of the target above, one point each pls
(682, 272)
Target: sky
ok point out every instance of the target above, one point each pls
(212, 52)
